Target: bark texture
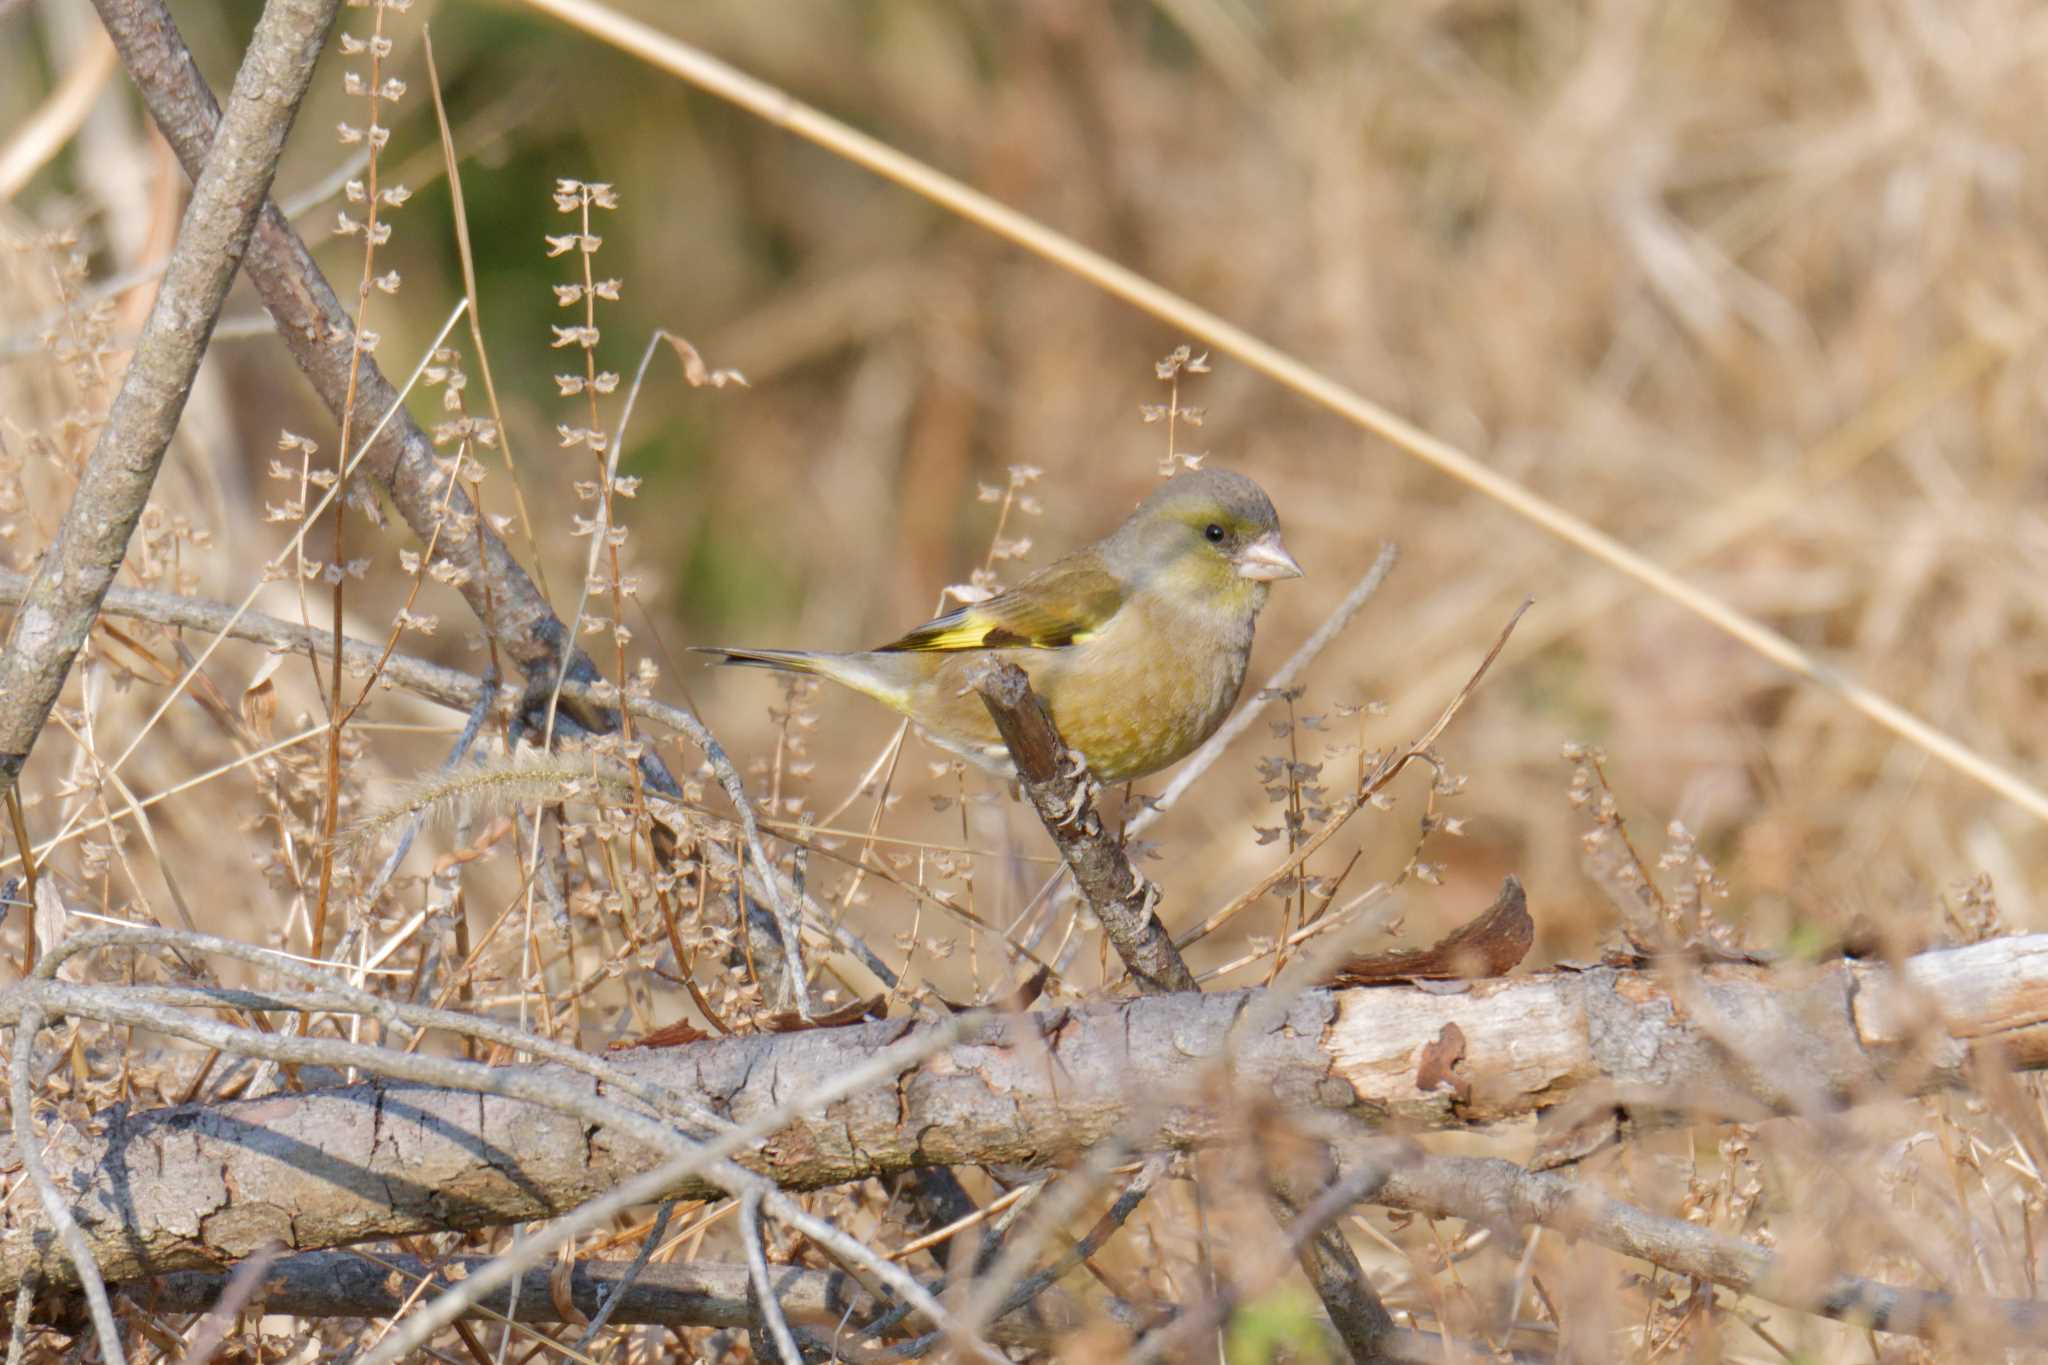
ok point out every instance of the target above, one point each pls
(1062, 792)
(199, 1186)
(321, 337)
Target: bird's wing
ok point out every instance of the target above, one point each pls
(1060, 605)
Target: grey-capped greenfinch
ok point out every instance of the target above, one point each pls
(1137, 644)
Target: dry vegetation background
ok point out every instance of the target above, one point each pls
(1758, 288)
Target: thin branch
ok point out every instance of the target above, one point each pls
(1063, 794)
(1028, 1290)
(1326, 1258)
(1301, 1236)
(1052, 1209)
(25, 1301)
(1283, 677)
(767, 1309)
(219, 1317)
(1499, 1194)
(350, 1284)
(460, 691)
(655, 1230)
(30, 1151)
(323, 341)
(80, 564)
(42, 135)
(449, 687)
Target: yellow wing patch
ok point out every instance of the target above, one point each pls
(1061, 605)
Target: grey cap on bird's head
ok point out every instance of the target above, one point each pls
(1234, 511)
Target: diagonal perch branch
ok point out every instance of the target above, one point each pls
(1063, 794)
(322, 339)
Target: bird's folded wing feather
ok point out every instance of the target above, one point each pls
(1060, 605)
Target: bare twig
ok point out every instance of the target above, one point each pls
(1170, 1341)
(767, 1309)
(30, 1151)
(1283, 677)
(1028, 1289)
(76, 570)
(323, 341)
(619, 1291)
(1499, 1194)
(449, 687)
(349, 1284)
(1063, 794)
(1050, 1211)
(235, 1295)
(24, 1305)
(1325, 1256)
(40, 137)
(27, 854)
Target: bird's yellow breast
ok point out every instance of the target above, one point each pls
(1137, 695)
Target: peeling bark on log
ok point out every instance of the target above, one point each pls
(196, 1187)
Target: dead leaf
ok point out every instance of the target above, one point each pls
(875, 1007)
(1026, 995)
(696, 371)
(1564, 1142)
(259, 699)
(1489, 945)
(1019, 1000)
(53, 924)
(560, 1280)
(668, 1035)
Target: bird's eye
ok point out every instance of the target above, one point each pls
(1214, 533)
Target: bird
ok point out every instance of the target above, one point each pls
(1137, 644)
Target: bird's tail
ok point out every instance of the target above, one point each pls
(782, 660)
(885, 677)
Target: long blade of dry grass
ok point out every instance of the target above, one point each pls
(779, 108)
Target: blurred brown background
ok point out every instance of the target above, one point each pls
(1757, 288)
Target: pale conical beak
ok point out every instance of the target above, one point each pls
(1267, 559)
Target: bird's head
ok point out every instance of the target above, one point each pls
(1207, 536)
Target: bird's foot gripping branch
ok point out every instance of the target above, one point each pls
(1063, 794)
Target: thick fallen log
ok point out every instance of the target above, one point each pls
(200, 1186)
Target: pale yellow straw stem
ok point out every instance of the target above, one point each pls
(757, 97)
